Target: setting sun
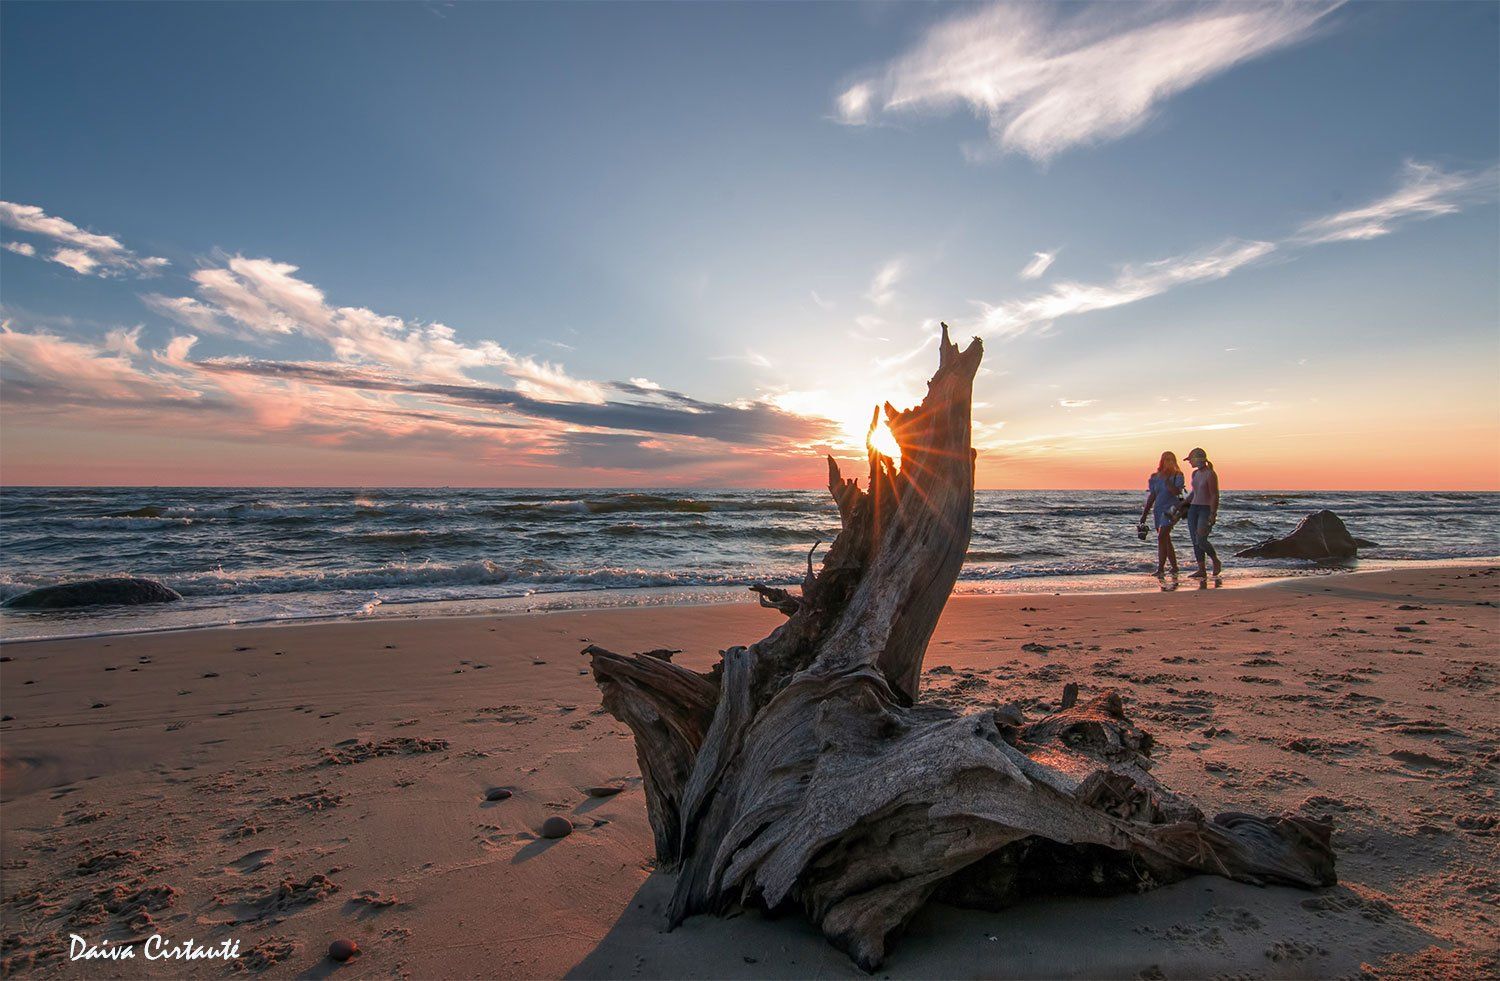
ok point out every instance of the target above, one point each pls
(881, 439)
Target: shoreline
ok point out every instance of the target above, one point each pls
(656, 597)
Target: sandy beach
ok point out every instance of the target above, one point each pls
(286, 786)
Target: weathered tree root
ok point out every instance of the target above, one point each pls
(803, 770)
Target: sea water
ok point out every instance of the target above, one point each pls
(240, 555)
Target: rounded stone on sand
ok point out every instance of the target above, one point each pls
(497, 793)
(557, 826)
(603, 791)
(342, 950)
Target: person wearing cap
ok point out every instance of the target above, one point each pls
(1203, 510)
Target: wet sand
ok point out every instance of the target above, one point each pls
(286, 786)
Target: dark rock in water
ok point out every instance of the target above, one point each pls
(342, 950)
(1319, 537)
(556, 826)
(116, 590)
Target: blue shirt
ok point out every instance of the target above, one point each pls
(1168, 493)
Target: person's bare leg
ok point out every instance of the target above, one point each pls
(1166, 555)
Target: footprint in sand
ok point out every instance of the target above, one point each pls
(368, 902)
(1422, 761)
(252, 862)
(279, 901)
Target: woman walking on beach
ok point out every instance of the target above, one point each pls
(1203, 510)
(1163, 495)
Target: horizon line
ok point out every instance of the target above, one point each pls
(702, 487)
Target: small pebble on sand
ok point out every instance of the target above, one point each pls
(497, 793)
(557, 826)
(603, 791)
(342, 950)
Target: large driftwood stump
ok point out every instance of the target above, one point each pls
(804, 770)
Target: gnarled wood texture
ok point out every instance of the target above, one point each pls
(803, 770)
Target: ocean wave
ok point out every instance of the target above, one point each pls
(1037, 570)
(1000, 555)
(123, 522)
(398, 575)
(647, 502)
(411, 536)
(296, 550)
(145, 512)
(11, 587)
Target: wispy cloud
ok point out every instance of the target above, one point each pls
(853, 105)
(1131, 284)
(266, 298)
(1040, 263)
(119, 384)
(124, 341)
(1047, 79)
(883, 285)
(653, 411)
(388, 383)
(750, 357)
(86, 253)
(1076, 403)
(47, 369)
(77, 260)
(1425, 191)
(186, 311)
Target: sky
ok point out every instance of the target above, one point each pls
(655, 245)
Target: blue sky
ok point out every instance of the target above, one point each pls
(1271, 226)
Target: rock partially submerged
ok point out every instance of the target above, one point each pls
(1319, 537)
(111, 591)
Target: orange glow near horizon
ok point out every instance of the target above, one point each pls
(1464, 462)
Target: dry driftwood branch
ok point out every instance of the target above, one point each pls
(803, 770)
(776, 598)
